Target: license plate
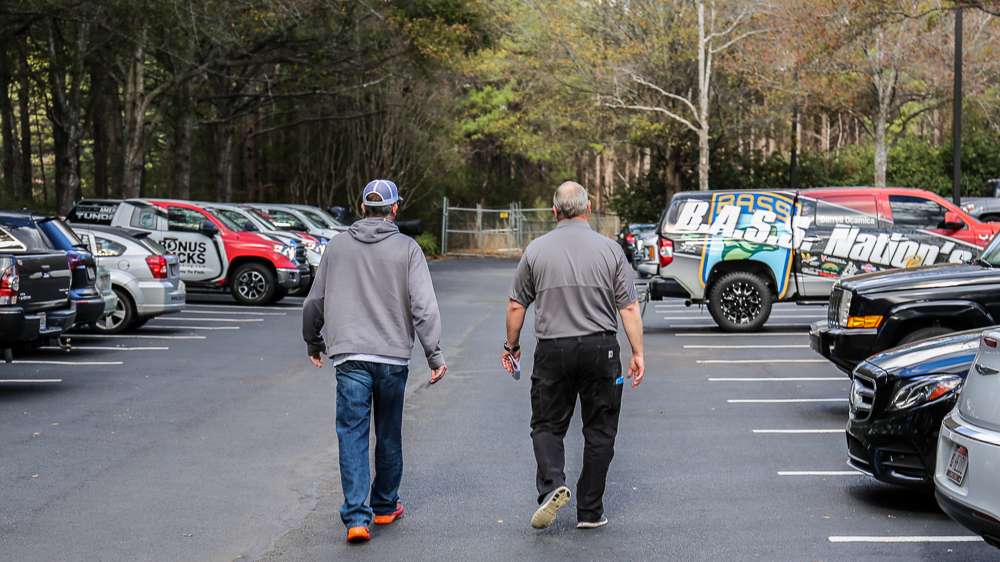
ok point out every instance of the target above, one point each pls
(42, 322)
(958, 465)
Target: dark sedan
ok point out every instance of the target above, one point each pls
(898, 399)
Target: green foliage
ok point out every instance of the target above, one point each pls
(428, 243)
(642, 201)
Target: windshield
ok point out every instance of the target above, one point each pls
(316, 218)
(239, 222)
(991, 254)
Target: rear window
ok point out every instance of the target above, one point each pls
(153, 246)
(93, 212)
(20, 236)
(60, 235)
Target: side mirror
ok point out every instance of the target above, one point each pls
(208, 228)
(952, 222)
(250, 227)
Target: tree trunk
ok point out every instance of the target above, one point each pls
(224, 161)
(24, 109)
(135, 120)
(182, 144)
(65, 77)
(7, 122)
(881, 149)
(704, 76)
(101, 90)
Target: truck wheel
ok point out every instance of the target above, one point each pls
(121, 317)
(924, 333)
(253, 284)
(740, 302)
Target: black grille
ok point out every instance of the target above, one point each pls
(834, 308)
(862, 397)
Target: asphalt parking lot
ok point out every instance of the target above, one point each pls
(207, 436)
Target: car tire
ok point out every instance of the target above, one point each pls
(924, 333)
(253, 284)
(740, 301)
(121, 318)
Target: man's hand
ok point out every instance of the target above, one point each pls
(636, 370)
(438, 374)
(317, 360)
(507, 360)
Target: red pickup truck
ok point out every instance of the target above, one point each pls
(214, 254)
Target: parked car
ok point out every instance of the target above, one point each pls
(143, 276)
(318, 216)
(740, 251)
(898, 399)
(292, 218)
(967, 476)
(35, 282)
(873, 312)
(250, 221)
(985, 208)
(106, 289)
(84, 293)
(213, 255)
(629, 238)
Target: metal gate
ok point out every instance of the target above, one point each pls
(479, 231)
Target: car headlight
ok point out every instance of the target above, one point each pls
(844, 310)
(925, 390)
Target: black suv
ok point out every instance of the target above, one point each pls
(876, 311)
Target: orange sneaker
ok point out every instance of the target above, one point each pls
(358, 535)
(391, 517)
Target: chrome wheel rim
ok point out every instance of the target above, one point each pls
(115, 319)
(251, 285)
(741, 302)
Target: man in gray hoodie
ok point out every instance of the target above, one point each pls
(371, 293)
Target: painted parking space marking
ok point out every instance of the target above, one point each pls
(132, 336)
(797, 431)
(234, 312)
(68, 363)
(820, 473)
(241, 307)
(756, 361)
(192, 327)
(770, 346)
(196, 319)
(732, 335)
(105, 348)
(905, 539)
(783, 400)
(28, 381)
(776, 379)
(780, 316)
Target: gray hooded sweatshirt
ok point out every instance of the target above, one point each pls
(372, 291)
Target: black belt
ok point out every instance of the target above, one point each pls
(585, 338)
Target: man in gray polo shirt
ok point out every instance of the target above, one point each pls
(581, 282)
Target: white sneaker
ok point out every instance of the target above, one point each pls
(592, 525)
(546, 513)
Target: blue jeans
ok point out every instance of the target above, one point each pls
(360, 384)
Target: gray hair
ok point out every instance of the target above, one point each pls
(570, 200)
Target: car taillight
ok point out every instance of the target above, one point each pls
(10, 284)
(157, 266)
(630, 238)
(666, 246)
(990, 342)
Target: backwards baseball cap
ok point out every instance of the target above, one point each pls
(387, 193)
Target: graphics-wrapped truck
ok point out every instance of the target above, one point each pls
(741, 251)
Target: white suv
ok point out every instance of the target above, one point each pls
(967, 476)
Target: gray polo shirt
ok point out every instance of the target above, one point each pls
(579, 278)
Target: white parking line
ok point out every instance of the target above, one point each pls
(240, 306)
(798, 431)
(777, 379)
(28, 381)
(914, 539)
(771, 346)
(820, 473)
(132, 336)
(192, 327)
(747, 361)
(73, 363)
(707, 317)
(196, 319)
(234, 312)
(785, 400)
(730, 334)
(104, 348)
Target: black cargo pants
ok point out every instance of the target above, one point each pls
(588, 367)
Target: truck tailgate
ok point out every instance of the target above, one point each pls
(45, 280)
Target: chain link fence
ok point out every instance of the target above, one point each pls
(480, 231)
